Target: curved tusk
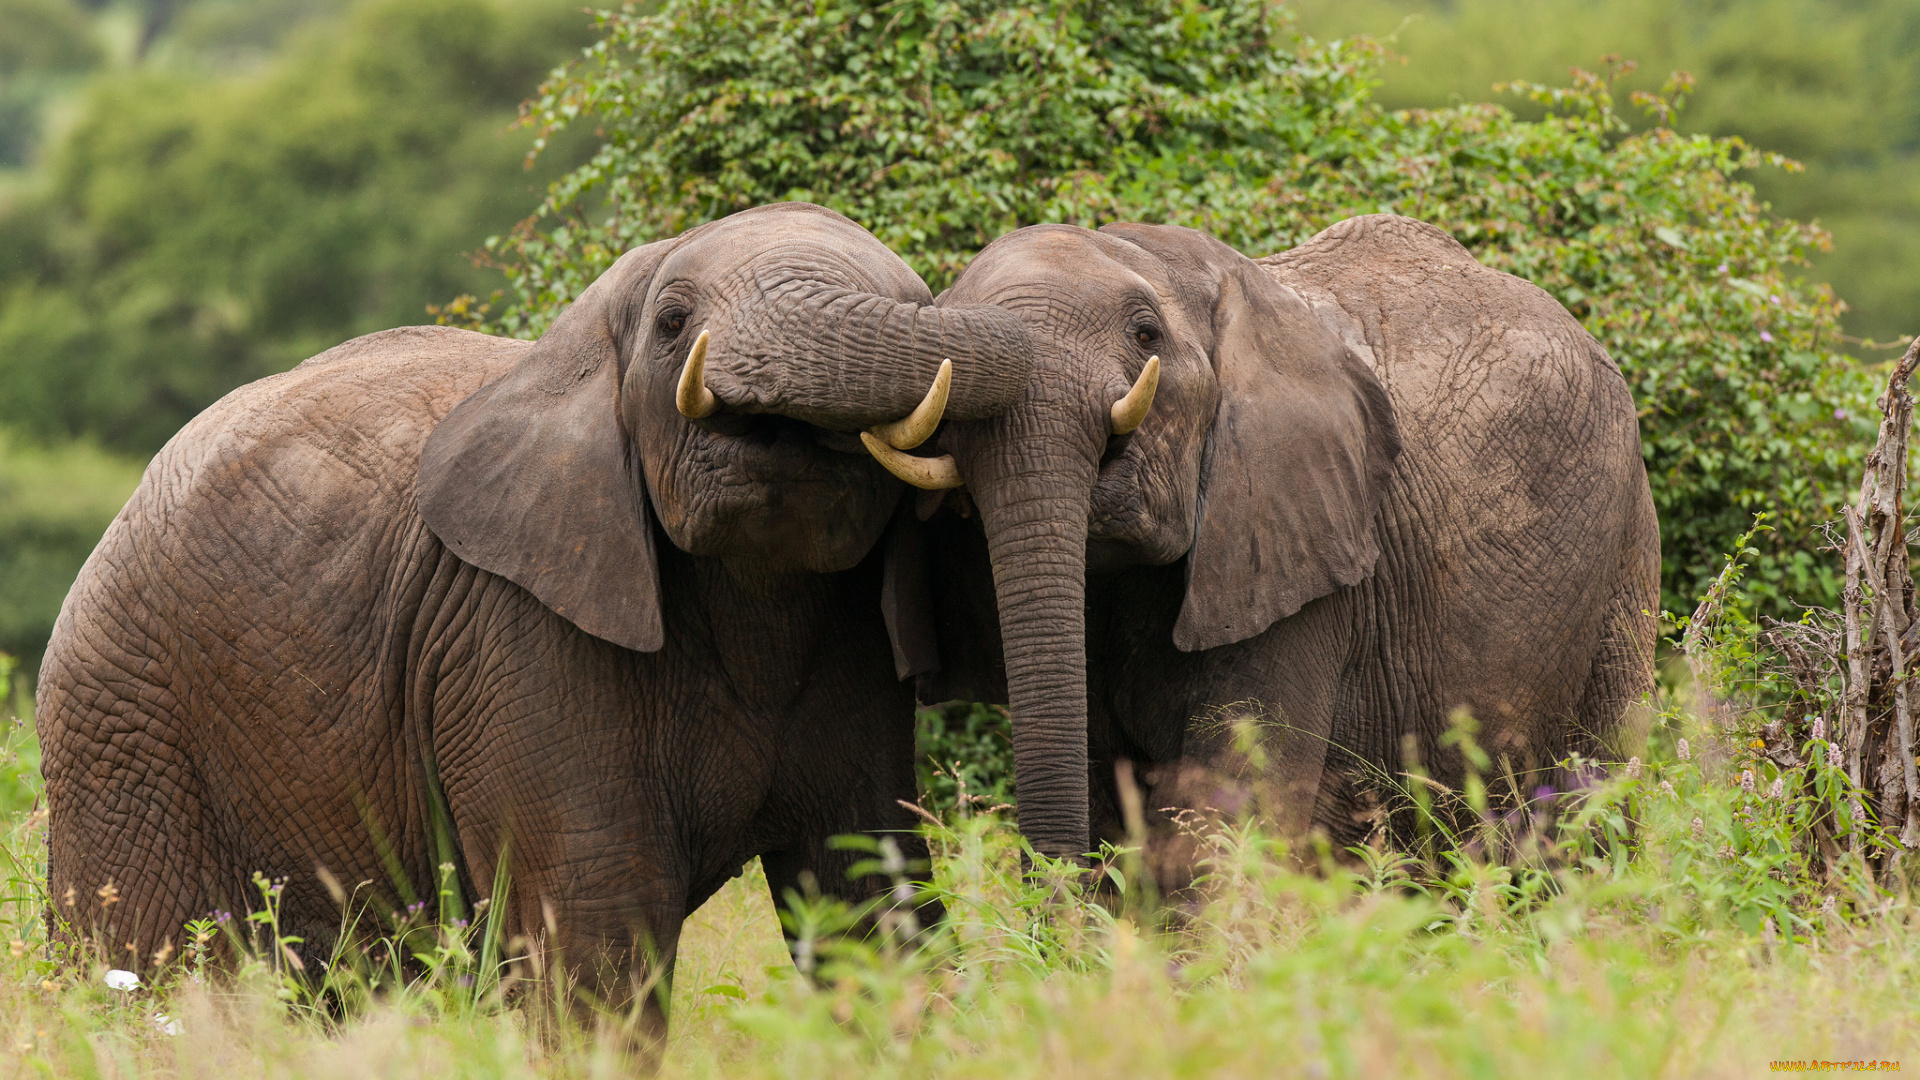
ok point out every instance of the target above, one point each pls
(932, 474)
(1130, 410)
(693, 397)
(919, 424)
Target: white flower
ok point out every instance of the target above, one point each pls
(1633, 767)
(166, 1024)
(1827, 905)
(1746, 779)
(1779, 788)
(122, 980)
(1666, 788)
(1820, 727)
(1685, 754)
(1699, 829)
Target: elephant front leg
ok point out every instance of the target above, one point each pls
(856, 745)
(593, 888)
(588, 919)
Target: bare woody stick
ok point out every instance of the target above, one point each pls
(1878, 607)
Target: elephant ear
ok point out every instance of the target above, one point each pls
(532, 478)
(1296, 464)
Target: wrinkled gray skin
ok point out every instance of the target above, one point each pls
(641, 650)
(1379, 482)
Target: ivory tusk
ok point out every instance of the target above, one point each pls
(932, 474)
(1130, 410)
(693, 397)
(919, 424)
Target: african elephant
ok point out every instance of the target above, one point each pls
(1354, 486)
(610, 601)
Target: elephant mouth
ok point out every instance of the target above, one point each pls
(777, 434)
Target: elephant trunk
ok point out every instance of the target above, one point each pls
(1033, 504)
(848, 360)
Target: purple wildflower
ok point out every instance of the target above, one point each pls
(1765, 336)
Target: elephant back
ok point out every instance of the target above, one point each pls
(1520, 519)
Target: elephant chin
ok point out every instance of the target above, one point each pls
(779, 493)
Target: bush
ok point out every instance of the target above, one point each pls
(965, 757)
(941, 124)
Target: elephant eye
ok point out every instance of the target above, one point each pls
(672, 322)
(1145, 335)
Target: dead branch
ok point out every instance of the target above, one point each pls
(1878, 614)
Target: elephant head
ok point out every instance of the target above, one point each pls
(712, 381)
(1182, 404)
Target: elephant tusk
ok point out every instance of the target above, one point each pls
(919, 424)
(693, 397)
(1130, 410)
(932, 474)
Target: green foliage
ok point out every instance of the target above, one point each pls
(54, 504)
(44, 44)
(1830, 82)
(194, 233)
(965, 757)
(940, 124)
(19, 750)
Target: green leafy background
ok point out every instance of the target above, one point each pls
(195, 193)
(941, 124)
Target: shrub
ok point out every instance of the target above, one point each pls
(941, 124)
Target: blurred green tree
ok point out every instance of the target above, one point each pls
(196, 233)
(54, 504)
(940, 124)
(45, 45)
(193, 228)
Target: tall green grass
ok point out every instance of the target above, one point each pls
(1676, 917)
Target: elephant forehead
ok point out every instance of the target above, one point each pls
(1060, 263)
(770, 250)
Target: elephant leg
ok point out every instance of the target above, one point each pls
(130, 857)
(1622, 669)
(593, 909)
(854, 738)
(814, 869)
(1243, 730)
(596, 887)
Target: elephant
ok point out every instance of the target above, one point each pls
(1342, 492)
(611, 606)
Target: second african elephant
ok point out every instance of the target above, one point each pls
(1360, 484)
